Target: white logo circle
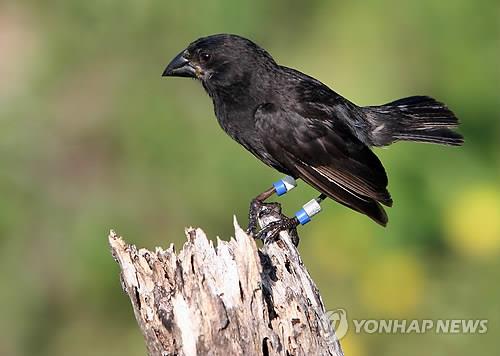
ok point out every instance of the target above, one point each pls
(338, 320)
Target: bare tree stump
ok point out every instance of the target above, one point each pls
(229, 299)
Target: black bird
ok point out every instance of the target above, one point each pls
(297, 125)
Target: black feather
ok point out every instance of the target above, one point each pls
(299, 126)
(416, 118)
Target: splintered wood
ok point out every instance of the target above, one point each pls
(228, 299)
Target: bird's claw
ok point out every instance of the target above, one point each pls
(267, 209)
(271, 232)
(253, 217)
(258, 209)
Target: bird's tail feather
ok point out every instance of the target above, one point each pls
(416, 118)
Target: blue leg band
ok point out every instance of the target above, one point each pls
(279, 187)
(284, 185)
(309, 209)
(302, 217)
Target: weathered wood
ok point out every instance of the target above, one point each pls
(228, 299)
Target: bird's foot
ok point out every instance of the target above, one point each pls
(259, 209)
(253, 216)
(271, 232)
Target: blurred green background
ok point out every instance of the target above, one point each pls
(92, 138)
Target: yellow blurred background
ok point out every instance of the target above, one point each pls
(92, 138)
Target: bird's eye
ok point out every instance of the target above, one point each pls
(205, 57)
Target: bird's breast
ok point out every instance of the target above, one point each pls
(240, 126)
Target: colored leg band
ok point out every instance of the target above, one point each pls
(309, 209)
(284, 185)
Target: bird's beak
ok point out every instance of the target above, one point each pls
(180, 67)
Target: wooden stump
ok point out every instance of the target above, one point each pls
(228, 299)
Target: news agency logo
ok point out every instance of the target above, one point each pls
(340, 323)
(338, 319)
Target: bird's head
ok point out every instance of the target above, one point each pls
(219, 60)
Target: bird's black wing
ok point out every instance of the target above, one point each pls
(325, 154)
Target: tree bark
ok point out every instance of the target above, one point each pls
(228, 299)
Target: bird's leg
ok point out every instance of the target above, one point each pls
(271, 232)
(258, 208)
(309, 209)
(255, 208)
